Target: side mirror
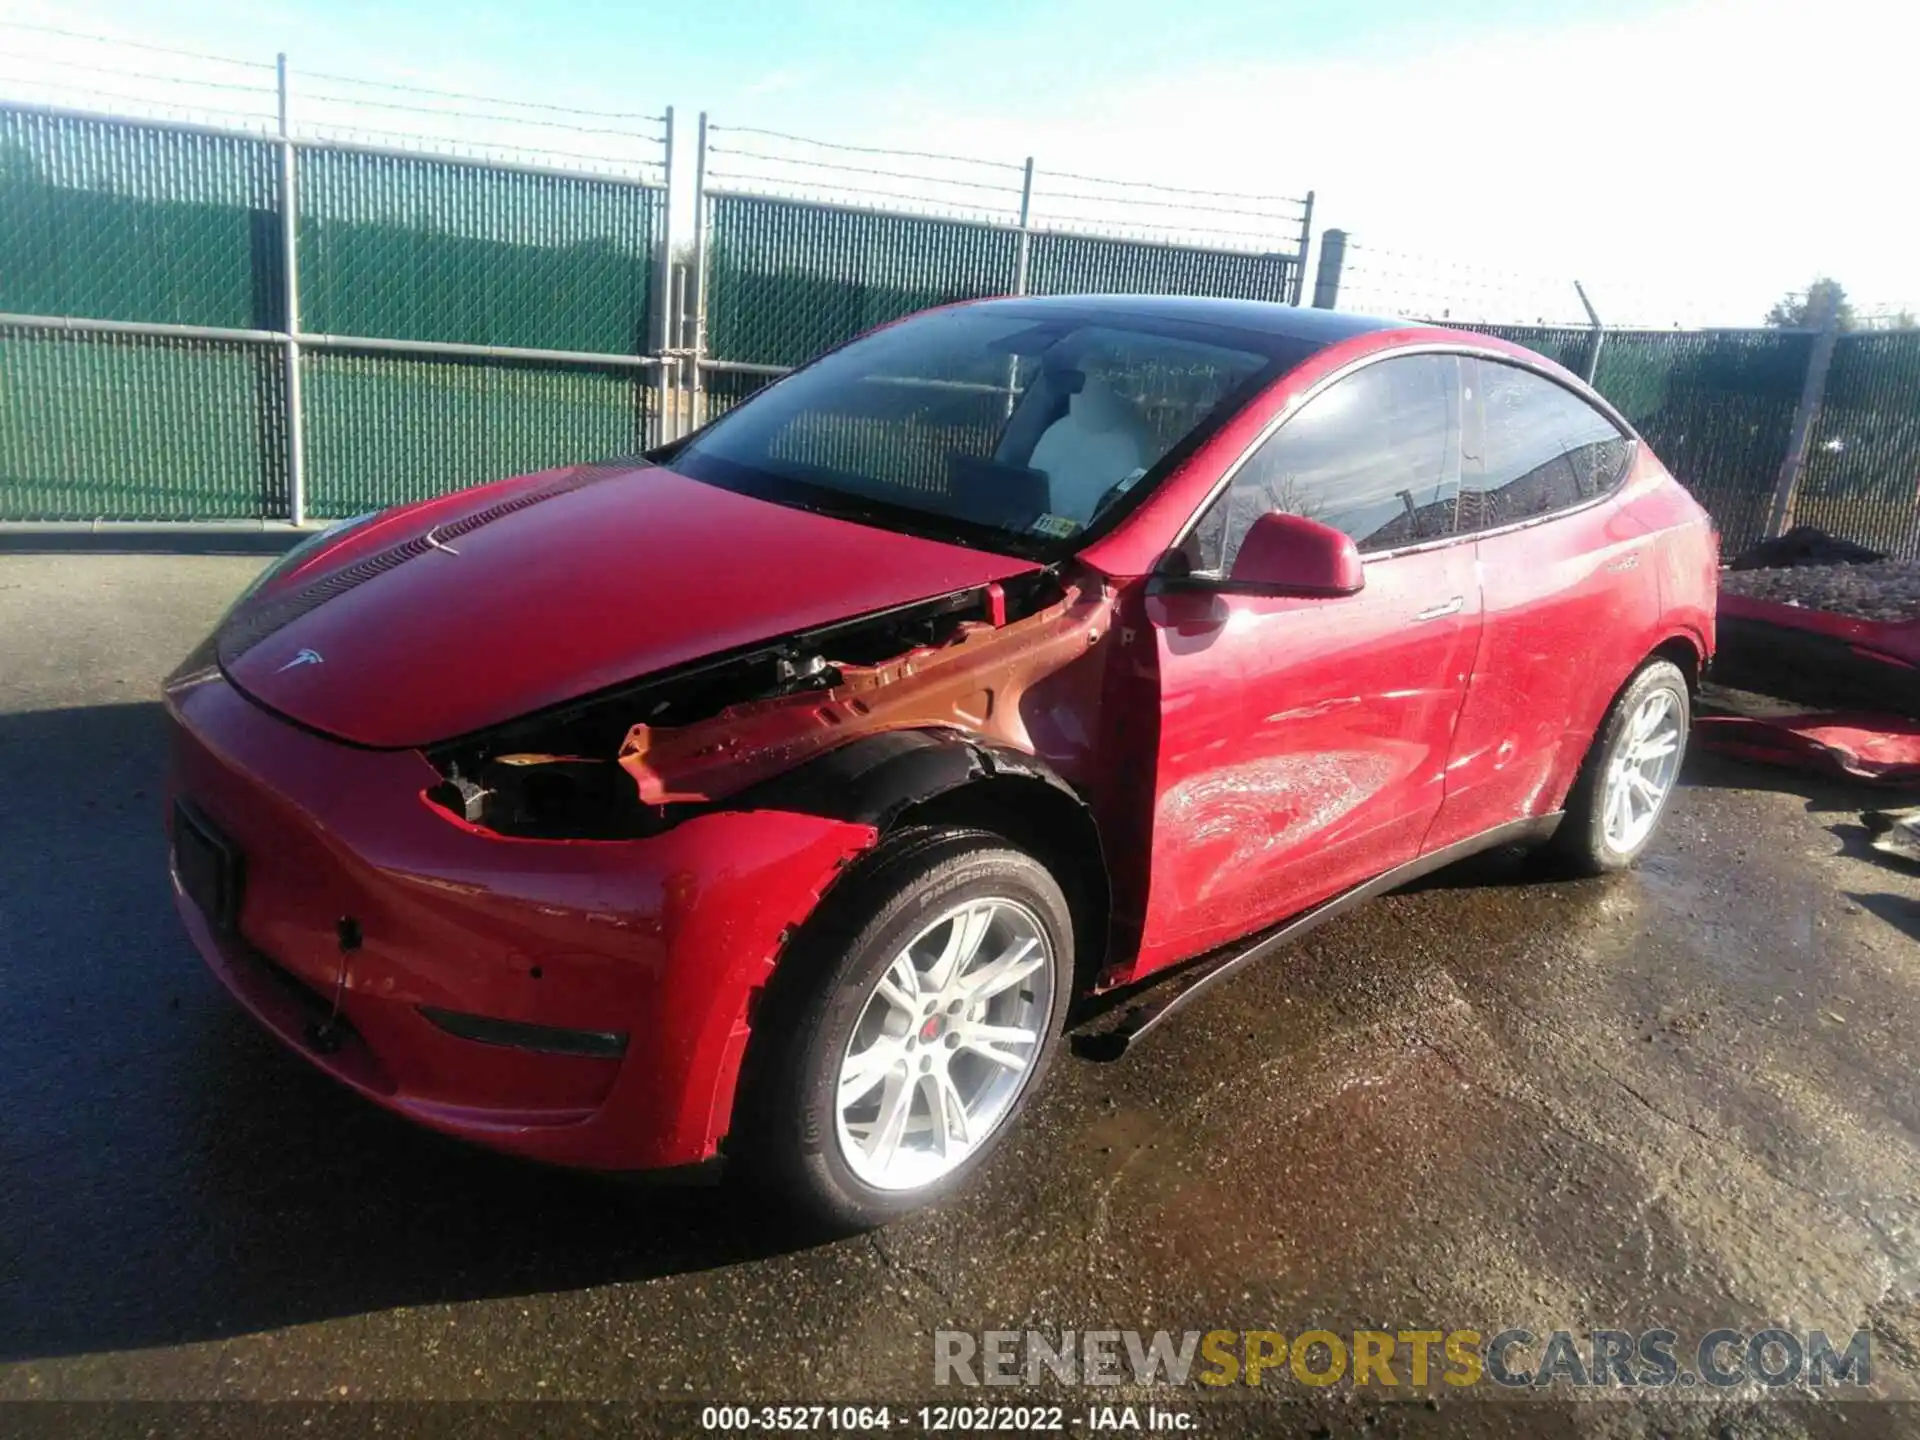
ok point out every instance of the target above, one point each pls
(1292, 555)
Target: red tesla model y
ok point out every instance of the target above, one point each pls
(777, 794)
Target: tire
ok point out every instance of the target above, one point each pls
(1591, 839)
(825, 1008)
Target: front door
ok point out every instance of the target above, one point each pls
(1303, 743)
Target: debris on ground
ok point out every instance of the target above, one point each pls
(1802, 545)
(1883, 749)
(1896, 832)
(1887, 590)
(1815, 636)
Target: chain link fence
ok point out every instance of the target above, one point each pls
(420, 248)
(1716, 405)
(463, 316)
(787, 279)
(386, 428)
(806, 244)
(457, 317)
(1863, 468)
(139, 427)
(448, 252)
(137, 223)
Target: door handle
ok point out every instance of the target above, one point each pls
(1436, 612)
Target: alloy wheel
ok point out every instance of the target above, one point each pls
(1641, 774)
(943, 1047)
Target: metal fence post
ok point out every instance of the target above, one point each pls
(1812, 391)
(290, 307)
(697, 282)
(1333, 255)
(1025, 246)
(663, 429)
(1599, 335)
(1306, 241)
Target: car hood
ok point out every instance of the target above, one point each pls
(451, 616)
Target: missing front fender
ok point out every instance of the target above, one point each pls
(637, 759)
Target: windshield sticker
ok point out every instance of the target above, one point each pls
(1058, 526)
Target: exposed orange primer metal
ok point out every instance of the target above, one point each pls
(974, 682)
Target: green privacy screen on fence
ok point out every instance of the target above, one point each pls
(151, 223)
(420, 248)
(156, 224)
(1716, 405)
(118, 221)
(1863, 470)
(1084, 264)
(124, 427)
(787, 280)
(382, 429)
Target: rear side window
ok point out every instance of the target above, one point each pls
(1375, 455)
(1530, 447)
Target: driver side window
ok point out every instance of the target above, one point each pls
(1376, 455)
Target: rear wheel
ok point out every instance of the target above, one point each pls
(1629, 776)
(917, 1015)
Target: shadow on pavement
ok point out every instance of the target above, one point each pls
(1898, 911)
(169, 1174)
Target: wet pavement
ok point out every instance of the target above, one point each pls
(1684, 1096)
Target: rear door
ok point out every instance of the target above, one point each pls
(1568, 588)
(1303, 742)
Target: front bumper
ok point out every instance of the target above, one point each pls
(663, 940)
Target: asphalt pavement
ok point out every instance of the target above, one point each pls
(1683, 1096)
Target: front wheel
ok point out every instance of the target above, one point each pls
(1629, 775)
(920, 1011)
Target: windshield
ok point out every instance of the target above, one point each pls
(989, 426)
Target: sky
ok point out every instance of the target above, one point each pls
(1688, 162)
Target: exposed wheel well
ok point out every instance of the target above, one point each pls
(1683, 653)
(1054, 828)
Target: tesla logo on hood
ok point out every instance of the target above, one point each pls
(305, 657)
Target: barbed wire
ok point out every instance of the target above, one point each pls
(507, 152)
(1460, 291)
(265, 88)
(115, 82)
(1163, 204)
(840, 165)
(134, 44)
(80, 95)
(1296, 201)
(304, 96)
(1108, 216)
(940, 208)
(480, 99)
(865, 149)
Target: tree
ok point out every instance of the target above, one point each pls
(1798, 312)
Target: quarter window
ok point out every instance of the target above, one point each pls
(1375, 455)
(1530, 447)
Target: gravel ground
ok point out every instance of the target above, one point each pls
(1888, 590)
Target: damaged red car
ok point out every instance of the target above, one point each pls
(783, 794)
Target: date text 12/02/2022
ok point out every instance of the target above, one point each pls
(942, 1419)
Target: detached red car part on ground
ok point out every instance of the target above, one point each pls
(1016, 651)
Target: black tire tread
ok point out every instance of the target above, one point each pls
(766, 1145)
